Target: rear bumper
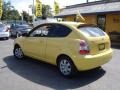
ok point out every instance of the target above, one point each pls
(92, 61)
(6, 34)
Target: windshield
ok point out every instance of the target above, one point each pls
(1, 25)
(92, 31)
(24, 28)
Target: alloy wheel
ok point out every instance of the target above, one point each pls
(18, 53)
(65, 67)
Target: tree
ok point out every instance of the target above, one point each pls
(26, 16)
(13, 15)
(30, 18)
(46, 11)
(9, 12)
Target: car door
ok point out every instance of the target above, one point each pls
(56, 41)
(35, 43)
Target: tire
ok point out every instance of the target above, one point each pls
(7, 38)
(97, 68)
(17, 35)
(18, 53)
(66, 67)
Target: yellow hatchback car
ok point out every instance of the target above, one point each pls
(71, 46)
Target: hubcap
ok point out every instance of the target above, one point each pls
(18, 53)
(65, 67)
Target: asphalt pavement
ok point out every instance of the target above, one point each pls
(30, 74)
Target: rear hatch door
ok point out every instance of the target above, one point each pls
(97, 39)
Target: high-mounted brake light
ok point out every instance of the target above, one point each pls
(84, 48)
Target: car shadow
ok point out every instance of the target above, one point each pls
(48, 75)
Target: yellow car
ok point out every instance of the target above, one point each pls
(71, 46)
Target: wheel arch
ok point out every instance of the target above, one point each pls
(14, 50)
(74, 68)
(63, 55)
(16, 45)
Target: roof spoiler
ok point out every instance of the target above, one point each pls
(85, 25)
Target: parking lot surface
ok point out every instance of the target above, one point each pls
(29, 74)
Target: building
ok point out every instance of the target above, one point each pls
(105, 14)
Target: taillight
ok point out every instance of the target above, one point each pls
(7, 30)
(84, 48)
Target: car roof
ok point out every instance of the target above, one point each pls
(68, 23)
(75, 24)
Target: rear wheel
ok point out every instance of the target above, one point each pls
(66, 66)
(7, 38)
(97, 68)
(18, 53)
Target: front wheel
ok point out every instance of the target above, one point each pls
(18, 52)
(66, 67)
(18, 34)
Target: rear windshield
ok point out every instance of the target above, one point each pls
(92, 31)
(2, 27)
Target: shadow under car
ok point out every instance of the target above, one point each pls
(48, 75)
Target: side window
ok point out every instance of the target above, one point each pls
(42, 31)
(51, 30)
(61, 31)
(48, 30)
(36, 33)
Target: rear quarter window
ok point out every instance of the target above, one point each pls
(92, 31)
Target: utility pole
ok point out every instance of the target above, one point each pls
(33, 10)
(87, 1)
(22, 16)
